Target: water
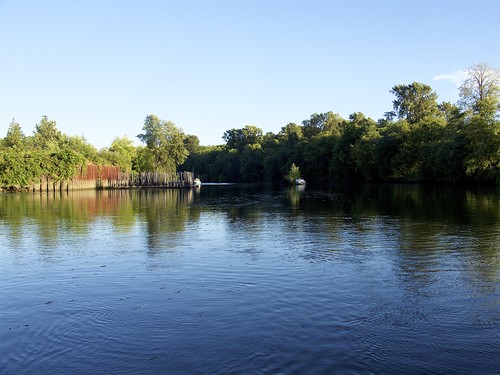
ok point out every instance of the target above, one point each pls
(244, 280)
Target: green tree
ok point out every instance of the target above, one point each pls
(65, 164)
(343, 164)
(227, 166)
(316, 156)
(480, 99)
(290, 133)
(390, 156)
(238, 139)
(80, 145)
(144, 160)
(285, 148)
(452, 114)
(47, 153)
(364, 150)
(430, 147)
(19, 168)
(251, 163)
(46, 135)
(414, 102)
(15, 136)
(480, 92)
(318, 123)
(121, 153)
(482, 148)
(192, 144)
(293, 174)
(165, 141)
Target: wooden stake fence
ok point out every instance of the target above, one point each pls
(124, 180)
(109, 177)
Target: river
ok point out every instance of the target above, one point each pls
(243, 279)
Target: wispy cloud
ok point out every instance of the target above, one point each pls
(456, 77)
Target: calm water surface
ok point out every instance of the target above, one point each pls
(244, 280)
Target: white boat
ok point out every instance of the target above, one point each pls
(300, 181)
(197, 182)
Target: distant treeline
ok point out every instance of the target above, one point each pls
(419, 140)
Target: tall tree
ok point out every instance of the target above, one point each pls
(482, 145)
(414, 102)
(15, 136)
(239, 138)
(480, 92)
(165, 142)
(290, 133)
(192, 143)
(122, 152)
(480, 98)
(328, 122)
(47, 136)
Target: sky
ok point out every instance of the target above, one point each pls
(99, 67)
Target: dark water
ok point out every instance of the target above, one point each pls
(244, 280)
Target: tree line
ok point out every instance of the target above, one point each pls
(420, 139)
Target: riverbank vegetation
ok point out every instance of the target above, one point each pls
(420, 139)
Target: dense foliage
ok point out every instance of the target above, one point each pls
(418, 140)
(25, 160)
(48, 153)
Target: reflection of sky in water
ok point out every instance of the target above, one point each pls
(249, 280)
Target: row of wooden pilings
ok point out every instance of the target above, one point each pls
(149, 179)
(117, 180)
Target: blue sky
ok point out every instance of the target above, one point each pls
(98, 68)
